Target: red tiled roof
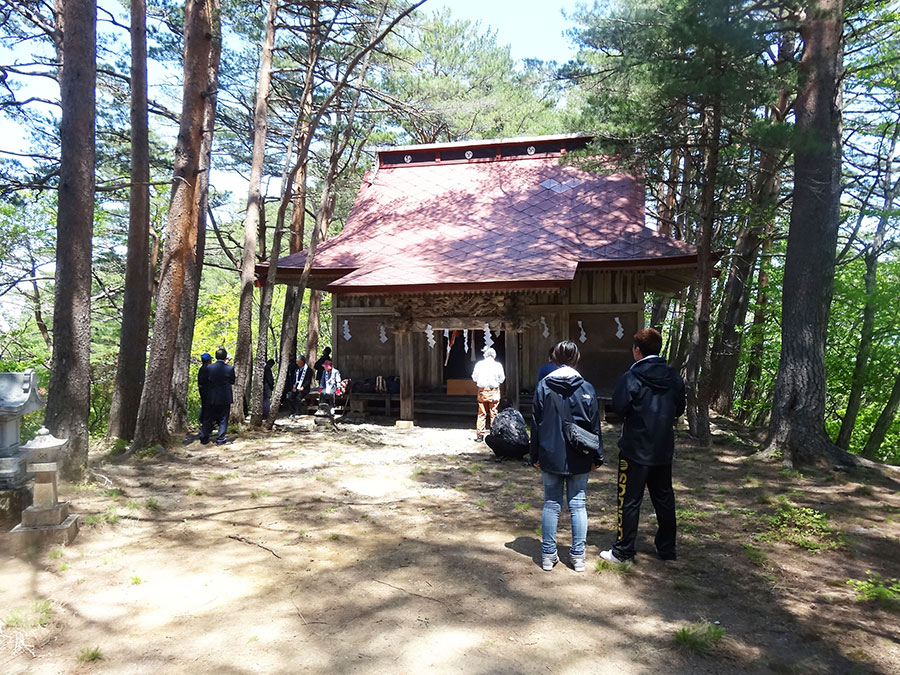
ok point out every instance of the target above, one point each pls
(525, 221)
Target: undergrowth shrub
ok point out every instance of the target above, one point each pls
(802, 526)
(874, 588)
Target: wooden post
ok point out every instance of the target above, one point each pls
(512, 367)
(406, 361)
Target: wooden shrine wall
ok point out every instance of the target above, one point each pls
(609, 305)
(596, 299)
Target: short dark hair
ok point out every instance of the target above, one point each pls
(221, 354)
(550, 353)
(649, 341)
(326, 351)
(566, 353)
(300, 357)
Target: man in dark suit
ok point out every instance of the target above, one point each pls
(219, 398)
(203, 382)
(302, 381)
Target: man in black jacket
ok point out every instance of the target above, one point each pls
(650, 396)
(302, 381)
(219, 398)
(203, 383)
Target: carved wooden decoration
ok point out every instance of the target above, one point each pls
(504, 311)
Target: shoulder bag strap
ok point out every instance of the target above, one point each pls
(562, 408)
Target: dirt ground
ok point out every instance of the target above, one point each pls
(371, 549)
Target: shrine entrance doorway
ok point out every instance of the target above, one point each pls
(465, 349)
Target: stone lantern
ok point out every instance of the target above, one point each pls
(47, 520)
(18, 397)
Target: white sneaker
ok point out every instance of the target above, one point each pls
(578, 562)
(609, 556)
(548, 560)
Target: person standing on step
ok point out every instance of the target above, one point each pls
(488, 376)
(320, 364)
(650, 396)
(219, 398)
(563, 399)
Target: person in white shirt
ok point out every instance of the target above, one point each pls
(330, 386)
(488, 376)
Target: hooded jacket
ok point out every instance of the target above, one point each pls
(650, 396)
(548, 445)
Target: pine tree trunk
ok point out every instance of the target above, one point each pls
(687, 322)
(313, 329)
(757, 333)
(181, 232)
(797, 424)
(885, 419)
(873, 250)
(675, 328)
(697, 367)
(298, 232)
(243, 349)
(136, 303)
(194, 270)
(68, 401)
(726, 350)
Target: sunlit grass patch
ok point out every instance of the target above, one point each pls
(700, 638)
(110, 516)
(617, 568)
(38, 614)
(874, 588)
(801, 526)
(88, 654)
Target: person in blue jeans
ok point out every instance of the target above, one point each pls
(564, 396)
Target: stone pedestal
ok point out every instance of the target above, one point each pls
(18, 397)
(47, 520)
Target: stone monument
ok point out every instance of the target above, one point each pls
(18, 397)
(47, 520)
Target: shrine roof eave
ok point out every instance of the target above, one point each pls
(487, 286)
(681, 261)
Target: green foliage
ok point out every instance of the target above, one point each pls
(89, 654)
(616, 568)
(801, 526)
(110, 516)
(843, 342)
(874, 588)
(757, 556)
(457, 82)
(699, 638)
(39, 614)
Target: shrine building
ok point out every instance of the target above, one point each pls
(450, 246)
